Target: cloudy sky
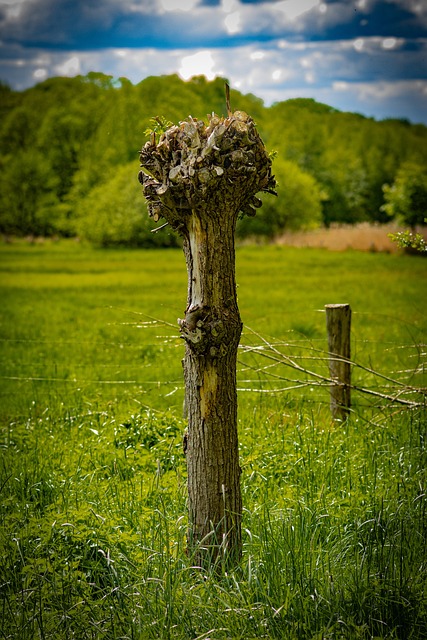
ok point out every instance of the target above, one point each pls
(368, 56)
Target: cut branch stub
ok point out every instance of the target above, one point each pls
(199, 177)
(191, 161)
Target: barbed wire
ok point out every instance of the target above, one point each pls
(279, 353)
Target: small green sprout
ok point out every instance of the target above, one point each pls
(159, 125)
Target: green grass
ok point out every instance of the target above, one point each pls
(92, 474)
(75, 322)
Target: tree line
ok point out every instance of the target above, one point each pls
(69, 151)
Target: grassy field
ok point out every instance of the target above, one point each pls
(92, 474)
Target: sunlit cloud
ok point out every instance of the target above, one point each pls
(71, 67)
(292, 9)
(233, 22)
(201, 63)
(40, 74)
(257, 55)
(233, 16)
(178, 5)
(340, 85)
(389, 43)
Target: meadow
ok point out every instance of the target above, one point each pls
(92, 473)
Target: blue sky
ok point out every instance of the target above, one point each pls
(368, 56)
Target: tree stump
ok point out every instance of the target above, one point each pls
(199, 177)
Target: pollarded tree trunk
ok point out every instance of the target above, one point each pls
(212, 330)
(199, 177)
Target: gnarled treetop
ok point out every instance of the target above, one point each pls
(193, 163)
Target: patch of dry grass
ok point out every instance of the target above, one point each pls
(361, 237)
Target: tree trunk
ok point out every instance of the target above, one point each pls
(199, 178)
(212, 329)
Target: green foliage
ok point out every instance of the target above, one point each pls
(60, 137)
(348, 187)
(350, 156)
(297, 206)
(406, 198)
(100, 80)
(408, 240)
(28, 203)
(113, 213)
(87, 128)
(158, 125)
(311, 105)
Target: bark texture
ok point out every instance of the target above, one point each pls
(200, 177)
(338, 325)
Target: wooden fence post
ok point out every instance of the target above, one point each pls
(338, 324)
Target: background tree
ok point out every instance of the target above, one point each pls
(28, 204)
(112, 214)
(67, 120)
(346, 182)
(298, 204)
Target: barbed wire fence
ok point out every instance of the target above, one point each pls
(296, 365)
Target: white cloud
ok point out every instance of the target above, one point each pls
(228, 6)
(200, 63)
(178, 5)
(233, 16)
(13, 8)
(40, 74)
(380, 91)
(257, 55)
(70, 67)
(306, 62)
(42, 60)
(404, 98)
(389, 43)
(340, 85)
(282, 62)
(292, 9)
(233, 22)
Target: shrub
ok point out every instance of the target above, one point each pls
(114, 213)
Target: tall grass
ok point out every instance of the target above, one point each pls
(93, 531)
(92, 473)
